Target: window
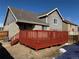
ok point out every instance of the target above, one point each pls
(55, 21)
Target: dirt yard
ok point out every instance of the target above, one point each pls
(19, 51)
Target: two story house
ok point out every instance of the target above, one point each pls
(17, 20)
(58, 23)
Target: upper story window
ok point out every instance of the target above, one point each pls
(55, 21)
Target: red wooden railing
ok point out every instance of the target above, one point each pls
(38, 39)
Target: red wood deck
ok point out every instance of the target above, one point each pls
(38, 39)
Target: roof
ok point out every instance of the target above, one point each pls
(47, 14)
(32, 18)
(69, 22)
(56, 9)
(26, 16)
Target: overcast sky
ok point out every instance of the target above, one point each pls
(68, 8)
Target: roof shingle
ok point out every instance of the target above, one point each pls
(69, 22)
(27, 17)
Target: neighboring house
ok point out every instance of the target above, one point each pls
(17, 20)
(72, 30)
(70, 27)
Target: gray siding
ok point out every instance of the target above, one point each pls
(11, 25)
(13, 29)
(9, 18)
(65, 27)
(50, 20)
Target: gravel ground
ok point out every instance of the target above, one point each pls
(19, 51)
